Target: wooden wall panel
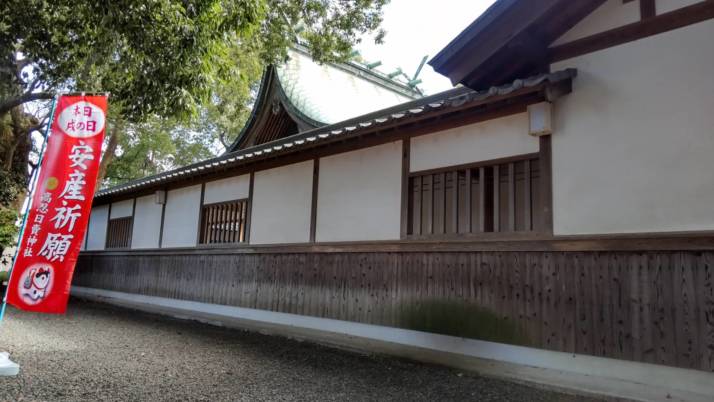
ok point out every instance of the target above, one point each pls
(655, 306)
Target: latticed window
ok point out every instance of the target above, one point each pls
(224, 222)
(119, 232)
(501, 197)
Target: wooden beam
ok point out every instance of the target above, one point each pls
(249, 215)
(546, 186)
(481, 201)
(496, 199)
(417, 209)
(404, 219)
(109, 218)
(455, 201)
(313, 208)
(133, 214)
(163, 214)
(527, 195)
(679, 18)
(200, 213)
(648, 9)
(674, 241)
(512, 197)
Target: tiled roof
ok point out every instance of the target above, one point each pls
(346, 129)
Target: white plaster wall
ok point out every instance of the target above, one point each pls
(634, 146)
(359, 194)
(97, 231)
(232, 188)
(282, 201)
(491, 139)
(121, 209)
(181, 217)
(664, 6)
(147, 223)
(612, 14)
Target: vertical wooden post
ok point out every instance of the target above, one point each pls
(416, 225)
(313, 209)
(106, 232)
(512, 197)
(546, 186)
(429, 229)
(163, 214)
(496, 199)
(131, 227)
(404, 219)
(248, 217)
(527, 195)
(648, 9)
(467, 197)
(441, 200)
(200, 213)
(86, 232)
(481, 199)
(455, 202)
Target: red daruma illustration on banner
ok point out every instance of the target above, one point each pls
(57, 220)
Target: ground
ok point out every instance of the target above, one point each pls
(98, 352)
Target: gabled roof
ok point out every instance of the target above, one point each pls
(441, 107)
(301, 94)
(509, 40)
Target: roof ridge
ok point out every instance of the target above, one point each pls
(362, 71)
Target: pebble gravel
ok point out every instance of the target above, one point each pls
(98, 352)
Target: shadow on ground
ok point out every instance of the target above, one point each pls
(98, 352)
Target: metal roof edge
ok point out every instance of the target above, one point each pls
(371, 75)
(453, 97)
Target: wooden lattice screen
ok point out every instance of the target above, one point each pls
(224, 222)
(489, 198)
(119, 232)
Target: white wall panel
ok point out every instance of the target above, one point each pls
(612, 14)
(181, 217)
(491, 139)
(634, 142)
(232, 188)
(97, 236)
(282, 201)
(359, 194)
(147, 223)
(121, 209)
(664, 6)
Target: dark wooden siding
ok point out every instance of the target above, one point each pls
(655, 307)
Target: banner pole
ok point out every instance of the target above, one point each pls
(33, 188)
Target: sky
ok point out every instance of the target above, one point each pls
(418, 28)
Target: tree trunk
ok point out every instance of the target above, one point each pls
(114, 135)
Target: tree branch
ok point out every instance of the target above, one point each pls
(7, 104)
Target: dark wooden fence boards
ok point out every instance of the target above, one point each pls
(655, 307)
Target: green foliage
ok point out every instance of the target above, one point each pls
(462, 320)
(155, 146)
(8, 229)
(182, 67)
(166, 57)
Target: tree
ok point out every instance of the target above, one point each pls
(162, 60)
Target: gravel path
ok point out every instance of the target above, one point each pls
(98, 352)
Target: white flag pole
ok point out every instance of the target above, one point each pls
(7, 366)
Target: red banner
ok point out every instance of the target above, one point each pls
(61, 204)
